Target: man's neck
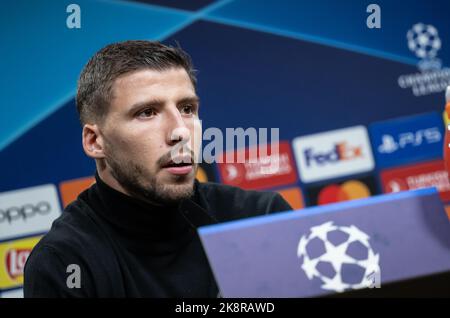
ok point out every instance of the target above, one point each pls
(107, 177)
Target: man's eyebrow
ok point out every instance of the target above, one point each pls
(159, 103)
(152, 102)
(193, 99)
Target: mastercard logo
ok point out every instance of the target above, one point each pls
(349, 190)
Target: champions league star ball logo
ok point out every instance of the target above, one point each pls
(424, 40)
(340, 256)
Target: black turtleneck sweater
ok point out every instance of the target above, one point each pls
(125, 247)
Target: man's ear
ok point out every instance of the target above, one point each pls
(93, 142)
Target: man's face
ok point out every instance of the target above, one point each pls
(151, 115)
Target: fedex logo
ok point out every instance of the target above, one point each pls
(333, 154)
(407, 139)
(341, 151)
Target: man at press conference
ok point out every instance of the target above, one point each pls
(133, 232)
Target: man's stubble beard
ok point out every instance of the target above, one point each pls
(131, 176)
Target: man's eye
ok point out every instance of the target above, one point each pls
(149, 112)
(187, 109)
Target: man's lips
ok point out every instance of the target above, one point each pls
(182, 170)
(179, 165)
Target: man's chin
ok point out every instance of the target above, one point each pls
(172, 193)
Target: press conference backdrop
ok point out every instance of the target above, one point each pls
(360, 109)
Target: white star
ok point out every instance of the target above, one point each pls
(336, 255)
(371, 264)
(309, 266)
(334, 284)
(301, 250)
(321, 231)
(356, 234)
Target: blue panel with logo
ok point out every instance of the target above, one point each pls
(407, 139)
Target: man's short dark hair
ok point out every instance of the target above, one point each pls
(98, 75)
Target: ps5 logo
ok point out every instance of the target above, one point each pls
(389, 144)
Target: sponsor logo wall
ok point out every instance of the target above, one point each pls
(25, 215)
(328, 167)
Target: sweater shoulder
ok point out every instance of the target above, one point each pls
(76, 238)
(75, 230)
(218, 190)
(234, 202)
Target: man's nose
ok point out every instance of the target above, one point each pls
(179, 134)
(178, 131)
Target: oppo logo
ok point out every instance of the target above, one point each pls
(24, 212)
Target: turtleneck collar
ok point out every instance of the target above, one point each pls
(148, 227)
